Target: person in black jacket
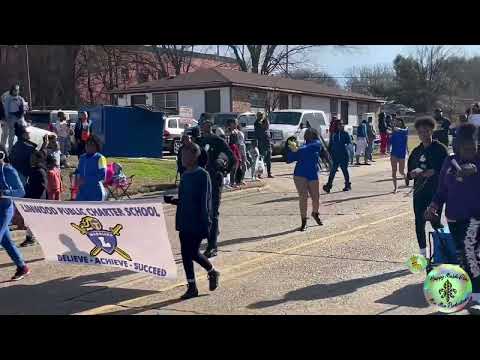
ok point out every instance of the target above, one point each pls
(193, 218)
(424, 165)
(444, 123)
(36, 187)
(220, 162)
(202, 160)
(82, 132)
(21, 153)
(262, 135)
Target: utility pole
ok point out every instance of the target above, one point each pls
(30, 105)
(218, 50)
(287, 62)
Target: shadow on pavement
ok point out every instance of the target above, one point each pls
(157, 306)
(408, 296)
(286, 199)
(250, 239)
(355, 198)
(57, 297)
(326, 291)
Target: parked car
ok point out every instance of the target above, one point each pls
(287, 123)
(46, 119)
(36, 135)
(172, 133)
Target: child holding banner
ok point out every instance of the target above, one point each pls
(10, 185)
(193, 218)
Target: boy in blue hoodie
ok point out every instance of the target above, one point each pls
(338, 150)
(193, 218)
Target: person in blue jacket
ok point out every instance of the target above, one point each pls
(398, 154)
(91, 172)
(339, 151)
(306, 173)
(10, 186)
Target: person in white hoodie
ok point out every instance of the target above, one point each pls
(15, 108)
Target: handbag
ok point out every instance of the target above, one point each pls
(260, 167)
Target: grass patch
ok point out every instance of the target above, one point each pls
(148, 170)
(150, 174)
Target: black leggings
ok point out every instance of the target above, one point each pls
(420, 204)
(335, 165)
(240, 175)
(467, 241)
(190, 247)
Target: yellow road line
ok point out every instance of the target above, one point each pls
(107, 308)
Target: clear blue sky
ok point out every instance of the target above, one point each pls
(336, 61)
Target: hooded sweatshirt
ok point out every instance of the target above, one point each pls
(462, 198)
(307, 158)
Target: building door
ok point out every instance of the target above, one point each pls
(212, 101)
(283, 101)
(344, 112)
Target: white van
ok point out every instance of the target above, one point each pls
(294, 122)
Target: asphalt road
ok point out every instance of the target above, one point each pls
(354, 264)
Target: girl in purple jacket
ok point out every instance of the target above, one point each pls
(459, 190)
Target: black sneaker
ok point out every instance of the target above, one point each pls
(316, 217)
(29, 241)
(270, 176)
(303, 227)
(407, 182)
(213, 280)
(21, 273)
(209, 253)
(347, 187)
(326, 188)
(191, 292)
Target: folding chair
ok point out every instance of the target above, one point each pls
(117, 183)
(119, 189)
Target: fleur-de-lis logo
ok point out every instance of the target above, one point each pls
(447, 292)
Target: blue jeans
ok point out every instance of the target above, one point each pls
(6, 241)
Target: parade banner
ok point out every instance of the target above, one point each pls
(125, 234)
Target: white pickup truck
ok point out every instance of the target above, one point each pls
(287, 123)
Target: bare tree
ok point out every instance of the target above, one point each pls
(268, 59)
(377, 80)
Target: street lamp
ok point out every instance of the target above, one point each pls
(28, 76)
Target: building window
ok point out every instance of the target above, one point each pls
(165, 101)
(258, 99)
(296, 102)
(362, 108)
(138, 100)
(212, 101)
(334, 107)
(283, 101)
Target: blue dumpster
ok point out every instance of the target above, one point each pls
(128, 131)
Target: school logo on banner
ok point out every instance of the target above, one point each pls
(104, 240)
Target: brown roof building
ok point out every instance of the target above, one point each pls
(224, 90)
